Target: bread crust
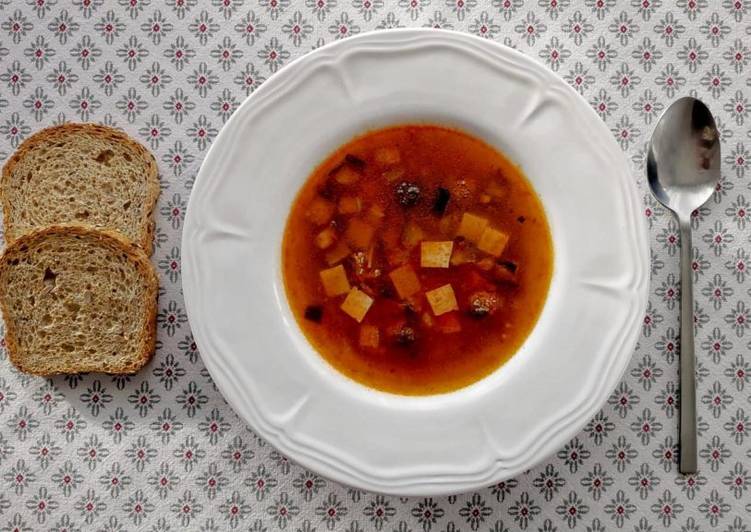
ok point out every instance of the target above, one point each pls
(45, 135)
(119, 244)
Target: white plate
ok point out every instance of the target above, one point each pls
(257, 355)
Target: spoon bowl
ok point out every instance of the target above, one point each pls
(683, 168)
(683, 164)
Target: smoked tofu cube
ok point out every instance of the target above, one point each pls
(325, 238)
(492, 241)
(359, 233)
(436, 254)
(356, 304)
(405, 281)
(442, 299)
(349, 205)
(335, 282)
(320, 211)
(369, 336)
(387, 156)
(472, 226)
(346, 174)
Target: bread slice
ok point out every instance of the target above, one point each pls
(81, 173)
(77, 299)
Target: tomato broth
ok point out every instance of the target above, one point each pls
(416, 259)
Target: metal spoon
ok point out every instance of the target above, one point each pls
(683, 167)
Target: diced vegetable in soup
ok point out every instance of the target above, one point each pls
(417, 259)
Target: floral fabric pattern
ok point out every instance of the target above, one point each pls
(161, 450)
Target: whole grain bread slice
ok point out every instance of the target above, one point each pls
(77, 299)
(81, 173)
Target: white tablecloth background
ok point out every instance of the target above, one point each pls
(162, 451)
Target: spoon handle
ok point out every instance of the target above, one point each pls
(687, 357)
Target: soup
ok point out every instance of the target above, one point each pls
(416, 259)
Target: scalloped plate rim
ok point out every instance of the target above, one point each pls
(277, 438)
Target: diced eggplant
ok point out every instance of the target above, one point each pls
(349, 204)
(397, 257)
(349, 171)
(449, 222)
(474, 280)
(385, 290)
(337, 253)
(359, 233)
(339, 222)
(412, 306)
(346, 175)
(328, 190)
(504, 271)
(407, 193)
(355, 161)
(375, 215)
(462, 252)
(496, 190)
(441, 201)
(320, 211)
(486, 264)
(390, 236)
(314, 313)
(325, 238)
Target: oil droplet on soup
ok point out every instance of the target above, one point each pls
(416, 259)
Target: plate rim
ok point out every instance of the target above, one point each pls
(278, 440)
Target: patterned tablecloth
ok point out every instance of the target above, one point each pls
(161, 450)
